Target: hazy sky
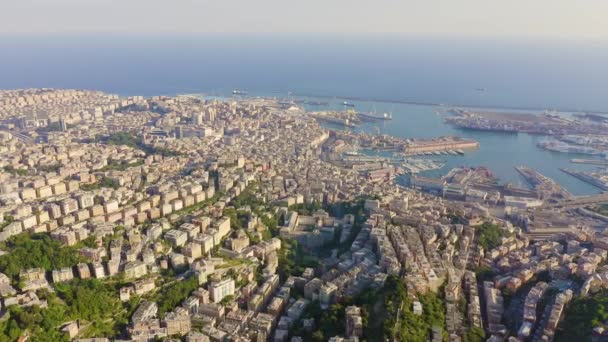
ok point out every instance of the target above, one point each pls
(570, 19)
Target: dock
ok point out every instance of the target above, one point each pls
(442, 145)
(590, 161)
(545, 186)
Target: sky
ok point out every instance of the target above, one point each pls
(555, 19)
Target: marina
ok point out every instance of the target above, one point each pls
(407, 165)
(413, 166)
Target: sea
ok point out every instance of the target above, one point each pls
(415, 78)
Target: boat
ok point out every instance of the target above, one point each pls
(461, 152)
(375, 116)
(239, 92)
(348, 104)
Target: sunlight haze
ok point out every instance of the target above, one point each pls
(561, 19)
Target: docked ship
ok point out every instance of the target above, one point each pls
(560, 146)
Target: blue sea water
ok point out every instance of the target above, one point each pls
(565, 75)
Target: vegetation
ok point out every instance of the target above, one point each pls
(484, 273)
(474, 334)
(490, 235)
(53, 127)
(582, 315)
(293, 260)
(249, 198)
(37, 250)
(50, 168)
(40, 324)
(355, 208)
(198, 206)
(387, 315)
(93, 303)
(13, 171)
(131, 140)
(238, 218)
(103, 182)
(174, 293)
(330, 322)
(120, 165)
(226, 300)
(306, 208)
(390, 316)
(601, 209)
(8, 219)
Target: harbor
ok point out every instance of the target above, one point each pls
(499, 151)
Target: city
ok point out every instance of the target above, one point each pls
(303, 171)
(244, 219)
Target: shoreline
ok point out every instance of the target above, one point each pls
(286, 94)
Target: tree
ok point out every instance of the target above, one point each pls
(490, 235)
(37, 250)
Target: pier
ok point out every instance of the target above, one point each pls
(585, 177)
(545, 186)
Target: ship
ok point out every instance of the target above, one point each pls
(375, 116)
(239, 92)
(317, 103)
(348, 104)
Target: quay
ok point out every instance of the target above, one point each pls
(440, 145)
(590, 161)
